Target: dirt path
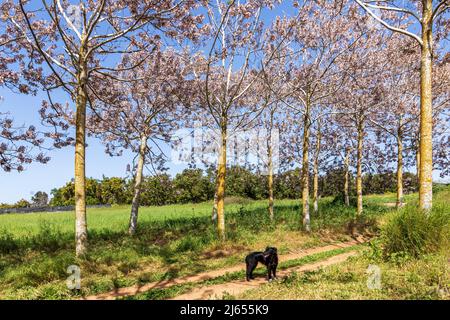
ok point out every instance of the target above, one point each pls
(133, 290)
(239, 286)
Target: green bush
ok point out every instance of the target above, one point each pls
(340, 200)
(49, 238)
(7, 242)
(411, 232)
(157, 190)
(22, 203)
(192, 185)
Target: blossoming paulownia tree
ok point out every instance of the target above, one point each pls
(429, 21)
(322, 36)
(227, 74)
(17, 142)
(140, 114)
(80, 43)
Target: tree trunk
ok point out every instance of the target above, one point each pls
(137, 187)
(399, 169)
(270, 167)
(418, 163)
(359, 208)
(80, 156)
(305, 173)
(346, 178)
(426, 150)
(316, 172)
(221, 173)
(214, 210)
(270, 177)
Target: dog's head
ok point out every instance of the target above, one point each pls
(270, 251)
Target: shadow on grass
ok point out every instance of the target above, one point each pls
(184, 234)
(176, 242)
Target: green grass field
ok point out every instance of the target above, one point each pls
(172, 241)
(424, 279)
(116, 218)
(402, 275)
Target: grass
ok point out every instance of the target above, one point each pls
(389, 197)
(427, 278)
(34, 267)
(412, 256)
(411, 232)
(158, 294)
(115, 218)
(172, 241)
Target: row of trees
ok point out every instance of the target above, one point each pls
(39, 199)
(195, 185)
(338, 85)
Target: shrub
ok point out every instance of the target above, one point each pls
(411, 232)
(22, 203)
(7, 242)
(192, 186)
(49, 238)
(340, 200)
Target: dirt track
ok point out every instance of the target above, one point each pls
(237, 287)
(133, 290)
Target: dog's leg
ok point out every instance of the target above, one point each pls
(250, 268)
(269, 273)
(253, 267)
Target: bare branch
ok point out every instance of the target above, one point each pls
(387, 25)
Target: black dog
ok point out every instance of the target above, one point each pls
(269, 258)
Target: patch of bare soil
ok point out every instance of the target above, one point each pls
(133, 290)
(222, 252)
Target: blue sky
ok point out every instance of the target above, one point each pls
(44, 177)
(60, 169)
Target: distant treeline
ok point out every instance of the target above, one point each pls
(197, 185)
